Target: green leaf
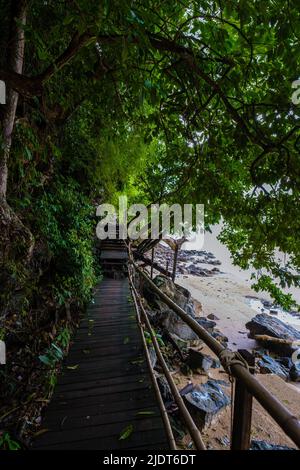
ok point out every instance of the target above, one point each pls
(126, 432)
(45, 360)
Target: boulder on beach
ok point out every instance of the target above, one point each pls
(165, 390)
(178, 294)
(164, 315)
(196, 271)
(205, 402)
(198, 360)
(220, 337)
(211, 316)
(268, 365)
(263, 445)
(263, 324)
(295, 372)
(208, 325)
(174, 325)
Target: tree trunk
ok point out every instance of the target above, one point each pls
(16, 240)
(15, 60)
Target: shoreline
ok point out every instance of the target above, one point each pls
(226, 297)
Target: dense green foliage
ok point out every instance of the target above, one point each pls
(186, 101)
(181, 101)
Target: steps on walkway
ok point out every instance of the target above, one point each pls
(114, 257)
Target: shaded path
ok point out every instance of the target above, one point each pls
(106, 385)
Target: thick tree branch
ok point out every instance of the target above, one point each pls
(33, 86)
(78, 41)
(26, 86)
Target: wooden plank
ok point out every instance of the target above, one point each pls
(146, 439)
(92, 410)
(107, 430)
(111, 381)
(94, 402)
(71, 422)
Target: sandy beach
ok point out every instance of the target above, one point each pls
(231, 299)
(226, 293)
(225, 296)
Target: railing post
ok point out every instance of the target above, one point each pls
(152, 260)
(175, 263)
(242, 411)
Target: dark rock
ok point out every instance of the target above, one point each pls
(294, 313)
(285, 361)
(268, 365)
(165, 317)
(263, 324)
(198, 360)
(224, 441)
(195, 271)
(220, 337)
(211, 316)
(273, 312)
(165, 389)
(215, 270)
(205, 402)
(206, 324)
(222, 382)
(178, 294)
(295, 372)
(180, 344)
(263, 445)
(267, 304)
(187, 389)
(174, 325)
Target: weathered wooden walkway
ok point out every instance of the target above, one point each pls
(106, 386)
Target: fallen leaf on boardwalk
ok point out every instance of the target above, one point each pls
(138, 361)
(146, 413)
(86, 351)
(126, 432)
(63, 421)
(126, 340)
(40, 432)
(73, 367)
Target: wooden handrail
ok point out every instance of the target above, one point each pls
(191, 426)
(283, 417)
(164, 412)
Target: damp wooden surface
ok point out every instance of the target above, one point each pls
(105, 388)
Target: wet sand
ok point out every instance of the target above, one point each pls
(225, 296)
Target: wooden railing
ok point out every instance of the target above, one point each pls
(239, 365)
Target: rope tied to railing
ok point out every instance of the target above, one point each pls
(231, 358)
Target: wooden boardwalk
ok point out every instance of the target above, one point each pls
(106, 386)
